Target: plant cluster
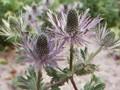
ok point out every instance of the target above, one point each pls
(43, 49)
(108, 9)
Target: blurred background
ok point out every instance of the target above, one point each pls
(107, 9)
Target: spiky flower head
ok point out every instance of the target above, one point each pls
(106, 38)
(71, 27)
(41, 51)
(72, 22)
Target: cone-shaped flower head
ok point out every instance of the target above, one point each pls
(41, 51)
(42, 45)
(72, 22)
(71, 27)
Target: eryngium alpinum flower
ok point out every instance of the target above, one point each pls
(41, 51)
(106, 38)
(72, 27)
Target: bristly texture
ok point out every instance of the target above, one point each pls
(72, 22)
(41, 46)
(41, 51)
(106, 38)
(72, 27)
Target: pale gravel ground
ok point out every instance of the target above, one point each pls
(109, 71)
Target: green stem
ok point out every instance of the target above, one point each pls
(71, 56)
(38, 79)
(71, 65)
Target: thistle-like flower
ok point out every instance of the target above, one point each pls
(71, 27)
(41, 51)
(31, 14)
(66, 7)
(106, 38)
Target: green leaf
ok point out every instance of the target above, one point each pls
(94, 84)
(99, 86)
(6, 23)
(83, 69)
(83, 54)
(50, 71)
(85, 50)
(58, 75)
(55, 88)
(29, 80)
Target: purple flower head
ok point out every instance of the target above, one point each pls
(106, 38)
(72, 27)
(41, 51)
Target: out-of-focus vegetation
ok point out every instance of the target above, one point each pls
(107, 9)
(8, 8)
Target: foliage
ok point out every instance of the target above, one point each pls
(9, 30)
(58, 75)
(29, 80)
(84, 66)
(108, 9)
(94, 84)
(8, 7)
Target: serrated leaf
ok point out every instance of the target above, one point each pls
(50, 71)
(99, 86)
(85, 50)
(29, 80)
(58, 75)
(55, 88)
(94, 84)
(6, 23)
(82, 54)
(82, 69)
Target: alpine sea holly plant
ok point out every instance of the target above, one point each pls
(44, 51)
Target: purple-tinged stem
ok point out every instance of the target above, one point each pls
(73, 83)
